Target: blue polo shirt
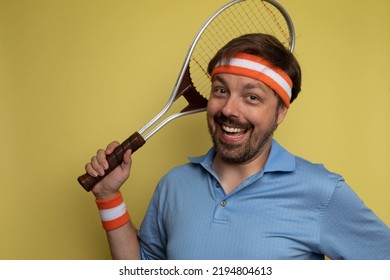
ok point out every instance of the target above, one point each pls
(292, 209)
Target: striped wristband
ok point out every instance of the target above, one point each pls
(113, 213)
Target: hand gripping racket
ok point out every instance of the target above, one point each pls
(234, 19)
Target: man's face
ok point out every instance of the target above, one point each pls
(242, 115)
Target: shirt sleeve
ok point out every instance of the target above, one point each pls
(152, 234)
(350, 230)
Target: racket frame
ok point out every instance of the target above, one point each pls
(136, 140)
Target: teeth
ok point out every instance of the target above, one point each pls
(231, 129)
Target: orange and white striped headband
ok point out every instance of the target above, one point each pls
(255, 67)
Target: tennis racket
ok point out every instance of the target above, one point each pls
(234, 19)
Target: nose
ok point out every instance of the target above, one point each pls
(231, 107)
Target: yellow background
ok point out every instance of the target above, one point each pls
(77, 74)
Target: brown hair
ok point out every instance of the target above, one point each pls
(267, 47)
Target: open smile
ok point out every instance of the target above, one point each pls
(231, 133)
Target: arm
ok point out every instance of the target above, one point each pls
(350, 230)
(123, 241)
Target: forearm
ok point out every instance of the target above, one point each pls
(124, 243)
(121, 234)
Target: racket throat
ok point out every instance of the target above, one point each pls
(195, 100)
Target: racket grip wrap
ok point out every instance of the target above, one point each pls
(134, 142)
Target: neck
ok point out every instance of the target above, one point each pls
(232, 174)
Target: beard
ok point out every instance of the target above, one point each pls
(241, 152)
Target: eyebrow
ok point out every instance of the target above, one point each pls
(218, 79)
(257, 85)
(247, 86)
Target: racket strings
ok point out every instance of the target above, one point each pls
(243, 17)
(279, 27)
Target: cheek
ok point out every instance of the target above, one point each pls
(209, 114)
(212, 108)
(261, 120)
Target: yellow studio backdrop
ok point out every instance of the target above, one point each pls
(77, 74)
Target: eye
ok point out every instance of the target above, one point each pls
(253, 98)
(219, 91)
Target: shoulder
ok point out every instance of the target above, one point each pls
(316, 183)
(315, 170)
(182, 172)
(312, 182)
(192, 170)
(297, 168)
(183, 178)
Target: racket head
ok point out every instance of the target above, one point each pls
(236, 18)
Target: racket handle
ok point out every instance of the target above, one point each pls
(134, 142)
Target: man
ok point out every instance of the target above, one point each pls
(247, 198)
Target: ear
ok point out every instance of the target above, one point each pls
(282, 112)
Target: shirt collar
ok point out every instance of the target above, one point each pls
(279, 159)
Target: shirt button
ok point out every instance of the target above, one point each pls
(223, 203)
(217, 185)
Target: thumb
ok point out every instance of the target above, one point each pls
(127, 160)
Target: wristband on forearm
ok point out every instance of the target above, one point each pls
(113, 213)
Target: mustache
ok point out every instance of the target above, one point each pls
(222, 119)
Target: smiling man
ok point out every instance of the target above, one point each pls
(247, 198)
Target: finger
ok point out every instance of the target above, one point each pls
(127, 157)
(90, 170)
(111, 147)
(96, 165)
(101, 158)
(126, 164)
